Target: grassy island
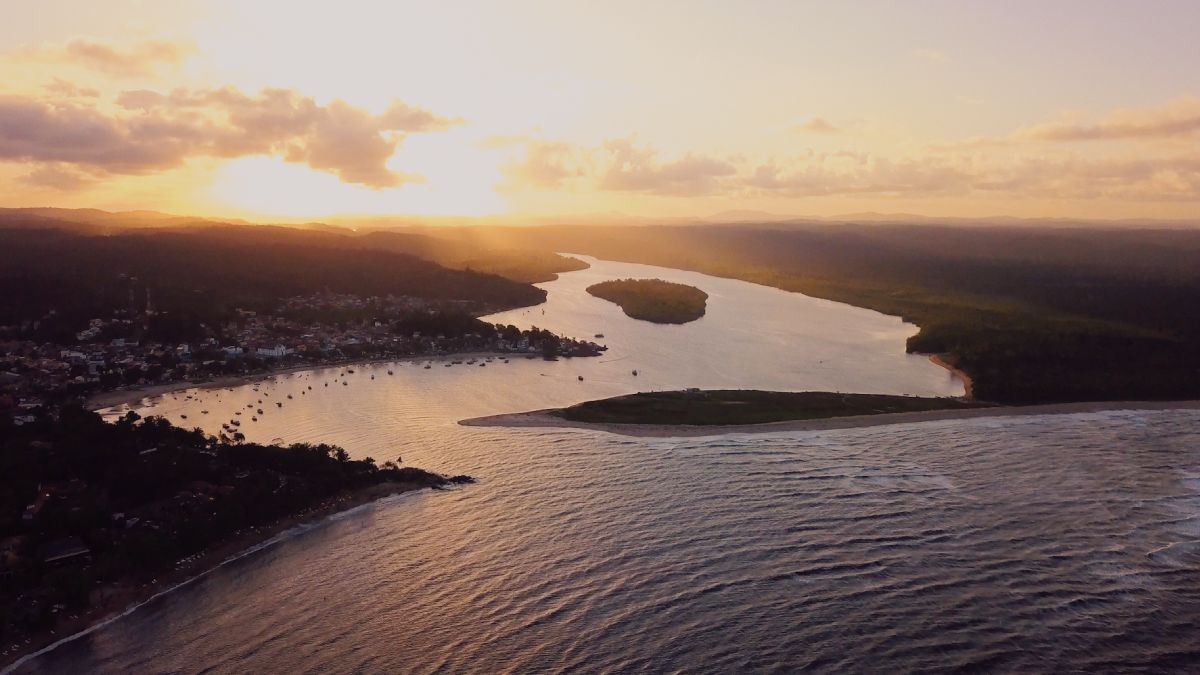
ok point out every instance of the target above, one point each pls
(653, 299)
(743, 406)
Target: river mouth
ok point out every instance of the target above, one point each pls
(1034, 543)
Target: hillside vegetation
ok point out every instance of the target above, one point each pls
(653, 299)
(59, 280)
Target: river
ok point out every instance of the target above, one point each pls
(1067, 542)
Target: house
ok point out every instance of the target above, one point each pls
(276, 352)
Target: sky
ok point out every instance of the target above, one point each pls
(524, 108)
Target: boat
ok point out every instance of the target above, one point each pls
(635, 373)
(581, 378)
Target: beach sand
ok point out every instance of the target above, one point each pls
(546, 419)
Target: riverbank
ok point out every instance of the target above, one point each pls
(132, 396)
(547, 419)
(968, 384)
(112, 602)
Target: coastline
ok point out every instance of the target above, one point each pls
(135, 395)
(546, 419)
(968, 383)
(113, 602)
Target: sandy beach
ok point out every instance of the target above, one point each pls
(115, 601)
(968, 383)
(134, 395)
(546, 419)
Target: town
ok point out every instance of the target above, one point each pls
(138, 347)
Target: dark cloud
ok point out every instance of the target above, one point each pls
(153, 131)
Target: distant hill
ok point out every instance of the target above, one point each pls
(204, 273)
(449, 247)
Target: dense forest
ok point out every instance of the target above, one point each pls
(461, 248)
(84, 502)
(62, 279)
(653, 300)
(1033, 314)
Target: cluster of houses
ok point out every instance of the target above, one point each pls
(114, 353)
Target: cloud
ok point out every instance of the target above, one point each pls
(63, 89)
(57, 177)
(817, 125)
(630, 168)
(151, 131)
(621, 165)
(543, 164)
(1178, 119)
(120, 61)
(617, 165)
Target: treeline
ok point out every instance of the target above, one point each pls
(653, 299)
(462, 248)
(1033, 314)
(198, 276)
(139, 495)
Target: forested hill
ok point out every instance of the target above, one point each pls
(206, 273)
(461, 248)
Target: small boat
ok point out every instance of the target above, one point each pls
(635, 373)
(581, 378)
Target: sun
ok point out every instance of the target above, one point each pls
(453, 176)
